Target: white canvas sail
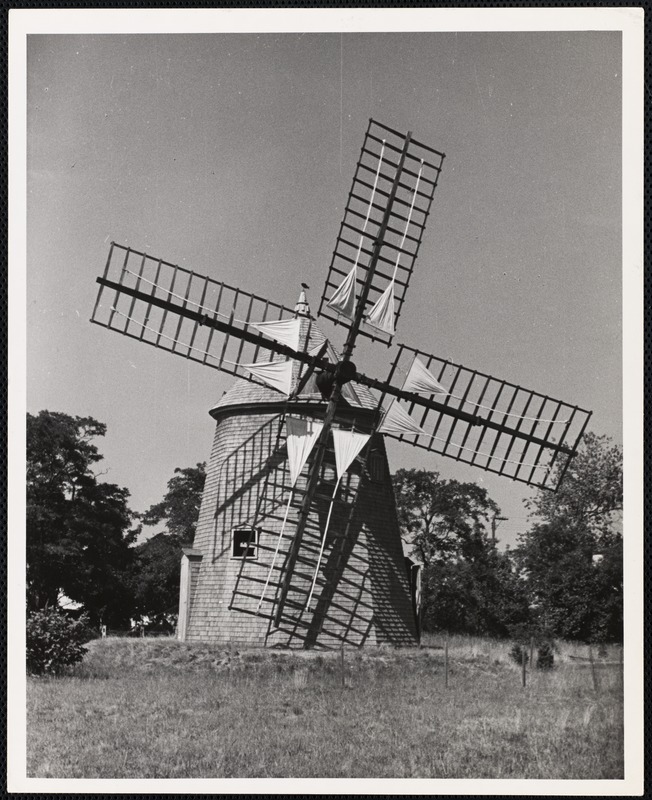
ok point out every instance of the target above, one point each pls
(347, 446)
(343, 299)
(285, 331)
(302, 433)
(397, 420)
(421, 380)
(277, 374)
(381, 315)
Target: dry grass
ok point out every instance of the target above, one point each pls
(158, 708)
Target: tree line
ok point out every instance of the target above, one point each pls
(86, 549)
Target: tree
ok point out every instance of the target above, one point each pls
(591, 494)
(468, 586)
(156, 574)
(157, 561)
(441, 519)
(483, 597)
(572, 554)
(180, 505)
(78, 528)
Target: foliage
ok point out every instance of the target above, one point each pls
(518, 652)
(54, 641)
(156, 576)
(545, 656)
(155, 581)
(468, 586)
(442, 520)
(78, 528)
(479, 597)
(591, 493)
(180, 505)
(574, 595)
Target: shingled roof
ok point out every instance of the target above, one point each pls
(244, 393)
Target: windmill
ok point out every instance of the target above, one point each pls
(298, 541)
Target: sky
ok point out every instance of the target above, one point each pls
(232, 154)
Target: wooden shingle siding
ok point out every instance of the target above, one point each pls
(362, 594)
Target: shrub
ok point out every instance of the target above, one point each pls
(517, 652)
(54, 641)
(545, 656)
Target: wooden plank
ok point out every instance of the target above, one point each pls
(165, 311)
(185, 303)
(106, 271)
(547, 434)
(212, 330)
(133, 299)
(465, 394)
(202, 300)
(518, 427)
(148, 310)
(117, 291)
(506, 414)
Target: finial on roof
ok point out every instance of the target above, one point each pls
(302, 309)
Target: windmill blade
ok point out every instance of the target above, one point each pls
(196, 317)
(380, 234)
(478, 419)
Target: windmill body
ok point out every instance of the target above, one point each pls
(298, 542)
(362, 593)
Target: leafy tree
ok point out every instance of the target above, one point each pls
(156, 577)
(572, 554)
(591, 494)
(480, 597)
(180, 505)
(78, 529)
(468, 586)
(441, 519)
(157, 561)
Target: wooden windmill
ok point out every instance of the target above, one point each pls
(298, 541)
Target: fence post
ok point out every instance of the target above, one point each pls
(594, 677)
(342, 666)
(531, 653)
(523, 663)
(446, 660)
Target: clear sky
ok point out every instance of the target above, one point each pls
(233, 154)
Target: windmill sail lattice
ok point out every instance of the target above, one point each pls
(190, 315)
(388, 159)
(480, 420)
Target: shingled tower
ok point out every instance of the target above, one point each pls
(227, 589)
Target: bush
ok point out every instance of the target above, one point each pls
(517, 652)
(54, 641)
(545, 656)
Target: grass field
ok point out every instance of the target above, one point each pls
(158, 708)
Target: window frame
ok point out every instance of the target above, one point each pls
(253, 546)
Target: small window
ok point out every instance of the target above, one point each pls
(376, 466)
(239, 539)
